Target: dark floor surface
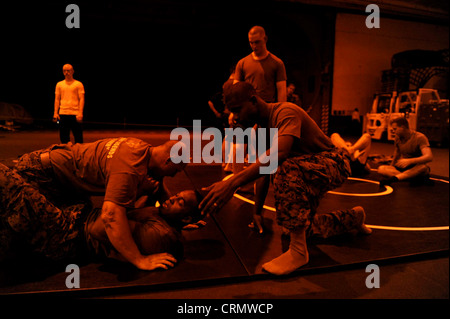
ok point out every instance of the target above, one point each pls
(416, 277)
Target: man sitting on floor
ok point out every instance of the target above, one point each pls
(411, 154)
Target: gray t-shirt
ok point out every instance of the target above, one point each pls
(412, 147)
(262, 74)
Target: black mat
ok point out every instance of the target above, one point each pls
(226, 248)
(410, 206)
(205, 253)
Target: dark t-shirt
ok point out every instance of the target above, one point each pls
(115, 167)
(413, 146)
(262, 74)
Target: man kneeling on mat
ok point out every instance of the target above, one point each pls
(309, 165)
(31, 224)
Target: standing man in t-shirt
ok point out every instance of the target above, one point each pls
(69, 106)
(262, 69)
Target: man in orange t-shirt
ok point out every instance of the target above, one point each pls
(69, 106)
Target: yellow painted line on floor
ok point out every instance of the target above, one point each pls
(370, 226)
(408, 228)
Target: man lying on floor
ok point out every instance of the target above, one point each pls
(32, 224)
(156, 230)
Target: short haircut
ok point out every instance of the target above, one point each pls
(400, 121)
(238, 93)
(257, 29)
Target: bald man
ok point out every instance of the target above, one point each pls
(69, 106)
(262, 69)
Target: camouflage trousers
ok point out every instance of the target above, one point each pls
(29, 166)
(29, 219)
(301, 182)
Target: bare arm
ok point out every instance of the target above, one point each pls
(220, 193)
(119, 234)
(427, 156)
(211, 106)
(261, 188)
(56, 104)
(80, 107)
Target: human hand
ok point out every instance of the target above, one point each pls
(257, 223)
(193, 226)
(56, 118)
(79, 118)
(150, 185)
(151, 262)
(218, 195)
(403, 163)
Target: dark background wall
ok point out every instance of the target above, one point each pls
(153, 62)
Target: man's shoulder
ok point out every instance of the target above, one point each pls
(78, 83)
(417, 133)
(246, 59)
(75, 82)
(285, 110)
(136, 144)
(277, 59)
(420, 136)
(287, 106)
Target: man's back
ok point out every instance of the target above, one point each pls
(294, 121)
(116, 166)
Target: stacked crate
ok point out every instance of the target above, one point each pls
(433, 121)
(396, 79)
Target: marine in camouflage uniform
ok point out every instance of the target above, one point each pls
(299, 185)
(309, 165)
